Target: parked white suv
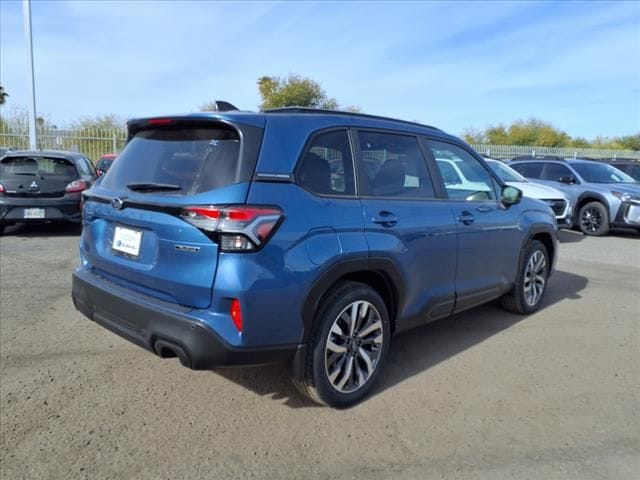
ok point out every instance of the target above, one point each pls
(558, 201)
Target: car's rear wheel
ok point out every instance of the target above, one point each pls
(347, 347)
(531, 285)
(594, 219)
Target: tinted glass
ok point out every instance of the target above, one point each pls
(555, 172)
(529, 169)
(42, 167)
(92, 170)
(632, 170)
(464, 176)
(104, 163)
(601, 173)
(394, 166)
(506, 173)
(327, 167)
(193, 159)
(83, 167)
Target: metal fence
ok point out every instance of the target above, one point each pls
(510, 151)
(93, 142)
(97, 142)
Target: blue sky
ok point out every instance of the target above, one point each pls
(450, 64)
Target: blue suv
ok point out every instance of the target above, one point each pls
(308, 236)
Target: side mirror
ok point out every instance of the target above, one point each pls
(510, 195)
(567, 180)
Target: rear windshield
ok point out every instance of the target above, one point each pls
(104, 163)
(192, 160)
(42, 167)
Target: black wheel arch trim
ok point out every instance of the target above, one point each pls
(588, 195)
(536, 230)
(342, 268)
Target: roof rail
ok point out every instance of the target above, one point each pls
(346, 114)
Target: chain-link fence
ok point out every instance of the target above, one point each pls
(97, 142)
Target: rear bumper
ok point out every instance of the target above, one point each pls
(65, 208)
(154, 326)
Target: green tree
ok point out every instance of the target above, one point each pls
(497, 135)
(579, 142)
(472, 135)
(631, 142)
(293, 90)
(536, 132)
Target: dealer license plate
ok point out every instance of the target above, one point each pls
(127, 241)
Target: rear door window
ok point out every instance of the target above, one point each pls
(183, 160)
(529, 170)
(394, 166)
(555, 172)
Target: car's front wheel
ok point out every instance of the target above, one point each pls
(531, 285)
(594, 219)
(347, 347)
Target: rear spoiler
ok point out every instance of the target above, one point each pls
(136, 124)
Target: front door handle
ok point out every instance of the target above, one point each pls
(386, 219)
(466, 218)
(484, 209)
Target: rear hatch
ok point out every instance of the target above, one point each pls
(36, 176)
(136, 233)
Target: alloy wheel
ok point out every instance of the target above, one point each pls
(591, 219)
(354, 346)
(535, 278)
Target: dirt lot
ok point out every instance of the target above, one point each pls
(486, 394)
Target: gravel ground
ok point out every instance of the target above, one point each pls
(486, 394)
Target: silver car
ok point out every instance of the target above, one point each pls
(603, 196)
(557, 200)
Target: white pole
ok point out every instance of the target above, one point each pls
(26, 11)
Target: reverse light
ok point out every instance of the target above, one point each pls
(239, 228)
(236, 314)
(76, 186)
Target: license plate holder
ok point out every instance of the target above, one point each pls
(126, 241)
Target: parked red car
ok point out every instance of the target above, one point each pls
(104, 163)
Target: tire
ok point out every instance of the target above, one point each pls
(338, 368)
(593, 219)
(526, 296)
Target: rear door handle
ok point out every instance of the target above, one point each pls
(466, 218)
(386, 219)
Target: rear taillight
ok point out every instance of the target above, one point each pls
(238, 228)
(76, 186)
(1, 188)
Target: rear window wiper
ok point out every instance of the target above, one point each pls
(149, 187)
